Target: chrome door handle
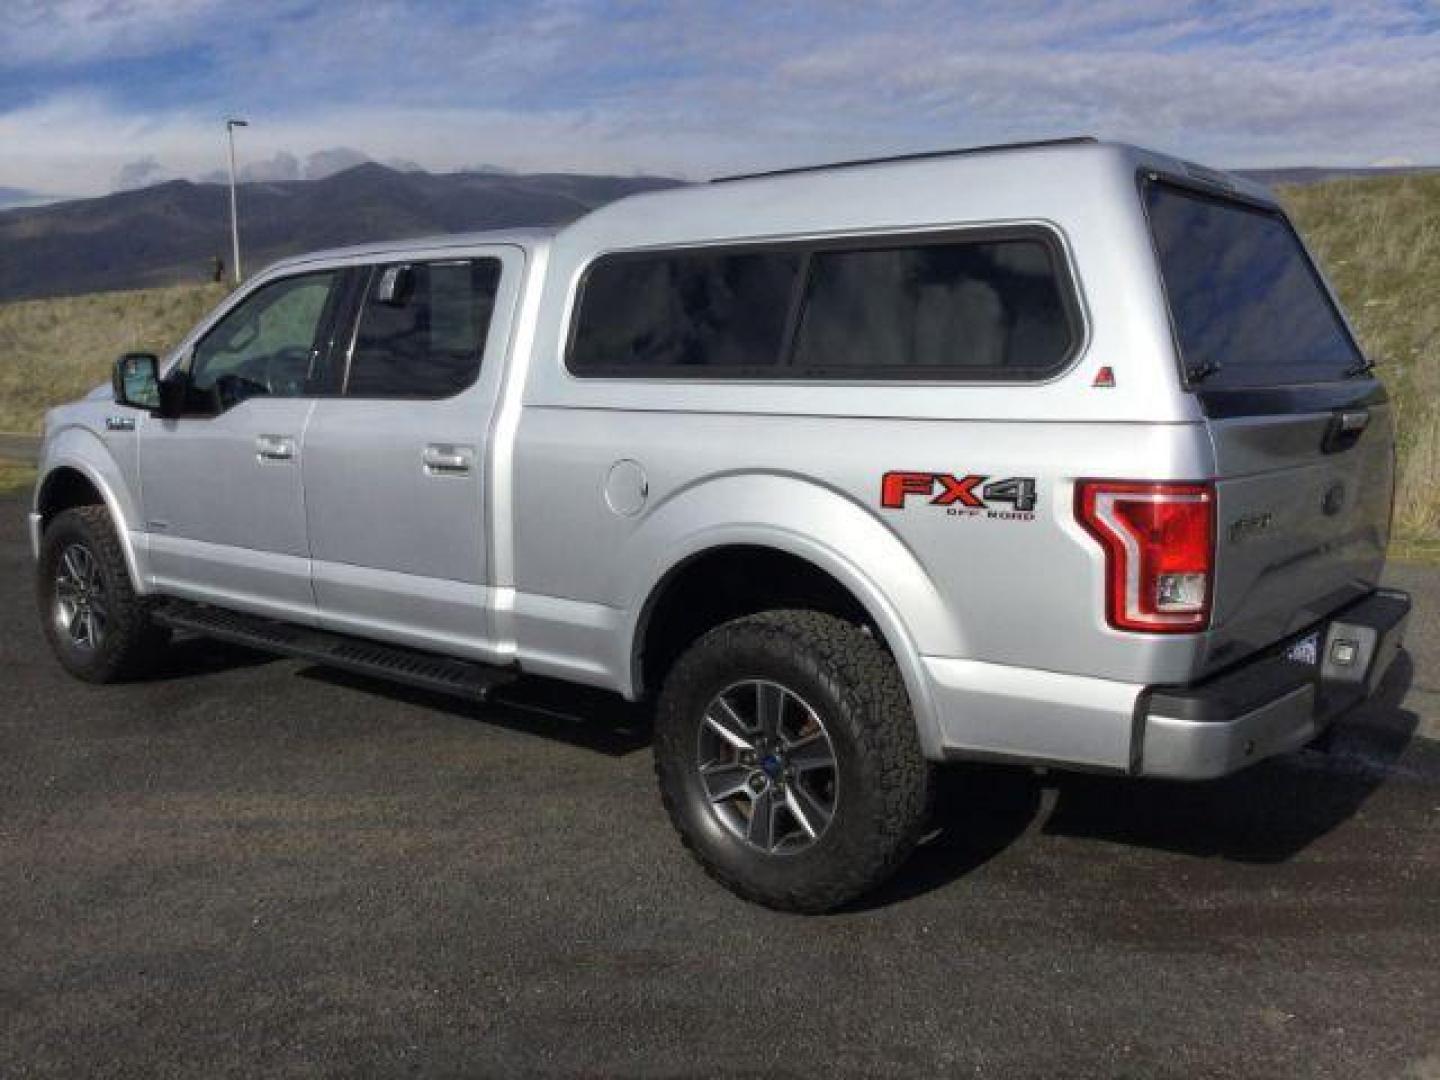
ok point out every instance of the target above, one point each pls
(275, 447)
(442, 459)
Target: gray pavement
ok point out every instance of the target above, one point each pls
(251, 867)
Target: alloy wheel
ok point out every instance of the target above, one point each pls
(81, 607)
(768, 766)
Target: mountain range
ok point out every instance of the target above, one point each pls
(171, 233)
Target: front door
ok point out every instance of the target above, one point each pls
(221, 484)
(395, 483)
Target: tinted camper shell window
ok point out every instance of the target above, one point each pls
(982, 305)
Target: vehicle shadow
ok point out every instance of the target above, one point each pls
(1266, 814)
(193, 657)
(980, 810)
(548, 709)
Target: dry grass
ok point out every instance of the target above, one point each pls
(15, 478)
(55, 350)
(1379, 241)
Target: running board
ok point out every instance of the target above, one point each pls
(441, 674)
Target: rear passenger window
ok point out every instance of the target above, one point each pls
(422, 329)
(982, 308)
(985, 310)
(684, 314)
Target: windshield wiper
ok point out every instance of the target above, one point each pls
(1355, 371)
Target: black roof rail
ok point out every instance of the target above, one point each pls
(1074, 140)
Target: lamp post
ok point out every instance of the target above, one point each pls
(230, 126)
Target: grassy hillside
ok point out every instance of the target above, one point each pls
(55, 350)
(1379, 240)
(15, 478)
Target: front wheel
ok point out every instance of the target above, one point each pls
(99, 630)
(788, 759)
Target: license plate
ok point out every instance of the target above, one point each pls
(1306, 650)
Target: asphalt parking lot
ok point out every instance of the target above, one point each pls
(253, 867)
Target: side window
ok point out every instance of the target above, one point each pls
(978, 309)
(422, 329)
(684, 314)
(269, 344)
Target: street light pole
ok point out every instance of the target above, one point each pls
(230, 126)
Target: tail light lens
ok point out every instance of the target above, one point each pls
(1159, 542)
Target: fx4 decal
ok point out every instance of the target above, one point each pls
(962, 496)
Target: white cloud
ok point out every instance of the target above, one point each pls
(278, 169)
(138, 174)
(74, 31)
(697, 88)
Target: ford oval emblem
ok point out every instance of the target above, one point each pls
(1334, 500)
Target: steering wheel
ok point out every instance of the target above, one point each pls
(287, 371)
(231, 389)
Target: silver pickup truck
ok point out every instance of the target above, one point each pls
(1057, 453)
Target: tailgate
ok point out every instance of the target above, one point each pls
(1300, 531)
(1302, 434)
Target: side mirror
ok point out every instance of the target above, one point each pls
(137, 381)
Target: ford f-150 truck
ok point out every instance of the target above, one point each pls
(1055, 453)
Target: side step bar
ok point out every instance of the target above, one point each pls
(441, 674)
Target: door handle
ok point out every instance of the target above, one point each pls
(275, 447)
(1344, 430)
(442, 459)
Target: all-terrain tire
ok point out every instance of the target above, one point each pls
(127, 642)
(884, 782)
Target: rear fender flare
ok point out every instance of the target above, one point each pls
(824, 527)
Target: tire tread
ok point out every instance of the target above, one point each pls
(862, 673)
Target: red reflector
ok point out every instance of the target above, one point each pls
(1159, 541)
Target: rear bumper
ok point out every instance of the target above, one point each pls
(1274, 702)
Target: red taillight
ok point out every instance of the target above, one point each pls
(1159, 542)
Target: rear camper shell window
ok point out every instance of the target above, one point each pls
(1247, 306)
(982, 305)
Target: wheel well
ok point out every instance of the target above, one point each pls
(65, 489)
(727, 583)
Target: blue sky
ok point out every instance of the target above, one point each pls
(96, 94)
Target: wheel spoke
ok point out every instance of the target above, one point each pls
(811, 815)
(725, 780)
(811, 753)
(761, 832)
(761, 740)
(73, 570)
(769, 707)
(88, 567)
(722, 719)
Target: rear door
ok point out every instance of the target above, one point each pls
(394, 465)
(1302, 433)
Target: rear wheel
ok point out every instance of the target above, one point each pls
(97, 627)
(788, 759)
